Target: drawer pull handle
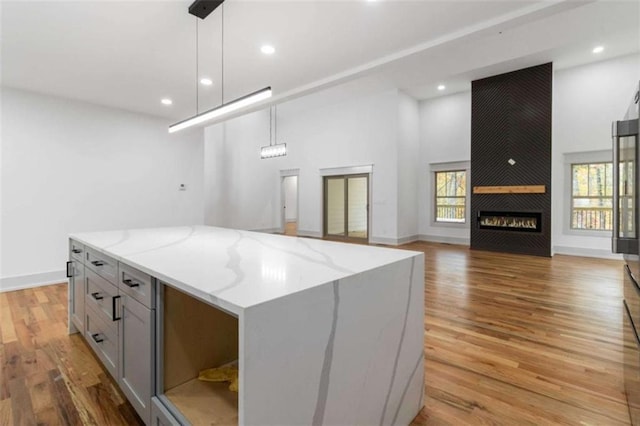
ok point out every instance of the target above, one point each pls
(113, 308)
(76, 251)
(131, 283)
(97, 296)
(69, 274)
(98, 263)
(96, 338)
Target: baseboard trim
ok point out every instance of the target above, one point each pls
(383, 241)
(586, 252)
(393, 241)
(312, 234)
(462, 241)
(268, 230)
(408, 239)
(32, 280)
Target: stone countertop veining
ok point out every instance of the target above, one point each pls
(236, 269)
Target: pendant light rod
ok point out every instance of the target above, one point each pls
(223, 109)
(197, 72)
(222, 54)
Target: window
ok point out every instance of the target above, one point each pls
(451, 196)
(592, 196)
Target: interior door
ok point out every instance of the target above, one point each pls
(346, 207)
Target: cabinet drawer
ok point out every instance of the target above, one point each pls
(136, 284)
(76, 250)
(103, 340)
(102, 264)
(101, 296)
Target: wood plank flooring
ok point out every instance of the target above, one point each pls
(291, 229)
(509, 339)
(521, 340)
(49, 377)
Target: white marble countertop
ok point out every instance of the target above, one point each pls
(236, 269)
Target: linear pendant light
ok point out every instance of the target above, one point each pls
(224, 108)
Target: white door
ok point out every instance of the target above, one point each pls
(290, 205)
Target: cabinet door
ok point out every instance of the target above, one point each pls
(160, 416)
(136, 355)
(76, 293)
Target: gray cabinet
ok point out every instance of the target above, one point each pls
(112, 305)
(101, 295)
(103, 265)
(137, 326)
(102, 336)
(76, 251)
(75, 273)
(160, 416)
(136, 284)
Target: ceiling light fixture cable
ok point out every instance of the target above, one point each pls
(197, 71)
(222, 54)
(260, 95)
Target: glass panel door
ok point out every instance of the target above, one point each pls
(335, 206)
(357, 207)
(346, 207)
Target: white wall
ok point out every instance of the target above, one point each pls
(445, 137)
(70, 167)
(245, 190)
(408, 166)
(586, 100)
(360, 131)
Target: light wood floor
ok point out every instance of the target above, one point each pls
(291, 228)
(49, 377)
(520, 340)
(509, 339)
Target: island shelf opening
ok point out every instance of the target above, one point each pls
(198, 336)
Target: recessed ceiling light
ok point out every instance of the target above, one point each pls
(166, 101)
(206, 81)
(441, 87)
(268, 50)
(598, 49)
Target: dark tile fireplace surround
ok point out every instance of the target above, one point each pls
(510, 147)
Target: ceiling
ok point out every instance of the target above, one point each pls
(130, 55)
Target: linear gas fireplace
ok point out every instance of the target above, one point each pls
(510, 221)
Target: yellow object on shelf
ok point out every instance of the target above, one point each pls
(221, 374)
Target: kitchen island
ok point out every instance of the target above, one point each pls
(322, 332)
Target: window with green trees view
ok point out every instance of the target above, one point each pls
(451, 196)
(592, 196)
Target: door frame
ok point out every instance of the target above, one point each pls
(283, 219)
(346, 237)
